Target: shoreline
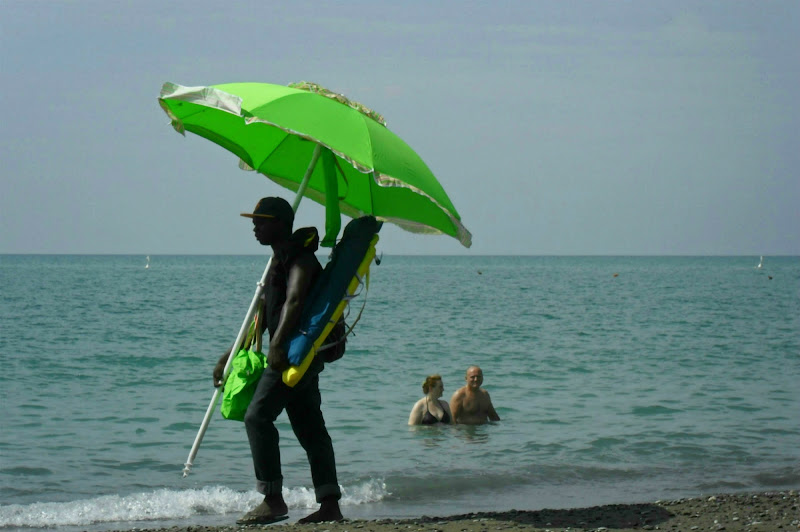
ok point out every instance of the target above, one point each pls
(767, 511)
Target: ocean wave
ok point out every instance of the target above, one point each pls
(168, 505)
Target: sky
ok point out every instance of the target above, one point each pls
(556, 128)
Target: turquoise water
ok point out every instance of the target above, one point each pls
(618, 379)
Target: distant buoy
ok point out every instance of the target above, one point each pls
(616, 275)
(480, 272)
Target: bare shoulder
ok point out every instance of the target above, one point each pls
(415, 416)
(301, 273)
(485, 396)
(305, 261)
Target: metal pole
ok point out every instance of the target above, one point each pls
(251, 311)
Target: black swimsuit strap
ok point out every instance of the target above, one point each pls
(428, 410)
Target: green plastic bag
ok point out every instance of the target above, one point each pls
(246, 369)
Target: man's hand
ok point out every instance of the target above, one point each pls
(277, 358)
(219, 369)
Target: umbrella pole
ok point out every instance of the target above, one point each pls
(251, 311)
(234, 349)
(307, 177)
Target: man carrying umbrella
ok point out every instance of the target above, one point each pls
(364, 170)
(292, 273)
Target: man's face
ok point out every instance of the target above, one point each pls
(266, 230)
(474, 378)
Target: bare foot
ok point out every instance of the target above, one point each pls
(328, 511)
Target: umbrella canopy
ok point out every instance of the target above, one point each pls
(278, 131)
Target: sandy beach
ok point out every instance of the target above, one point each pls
(765, 511)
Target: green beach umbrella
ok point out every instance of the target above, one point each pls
(322, 146)
(354, 165)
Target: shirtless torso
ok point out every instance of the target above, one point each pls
(470, 404)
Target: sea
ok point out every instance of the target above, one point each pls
(617, 380)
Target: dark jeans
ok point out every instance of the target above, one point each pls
(302, 404)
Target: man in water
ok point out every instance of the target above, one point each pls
(470, 404)
(291, 275)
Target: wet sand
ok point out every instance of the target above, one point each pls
(767, 511)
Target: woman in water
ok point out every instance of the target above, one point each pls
(430, 410)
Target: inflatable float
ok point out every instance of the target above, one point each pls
(341, 280)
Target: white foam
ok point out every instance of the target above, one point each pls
(167, 504)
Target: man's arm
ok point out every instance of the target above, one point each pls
(297, 287)
(455, 405)
(490, 411)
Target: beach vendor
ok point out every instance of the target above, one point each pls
(470, 404)
(430, 410)
(293, 270)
